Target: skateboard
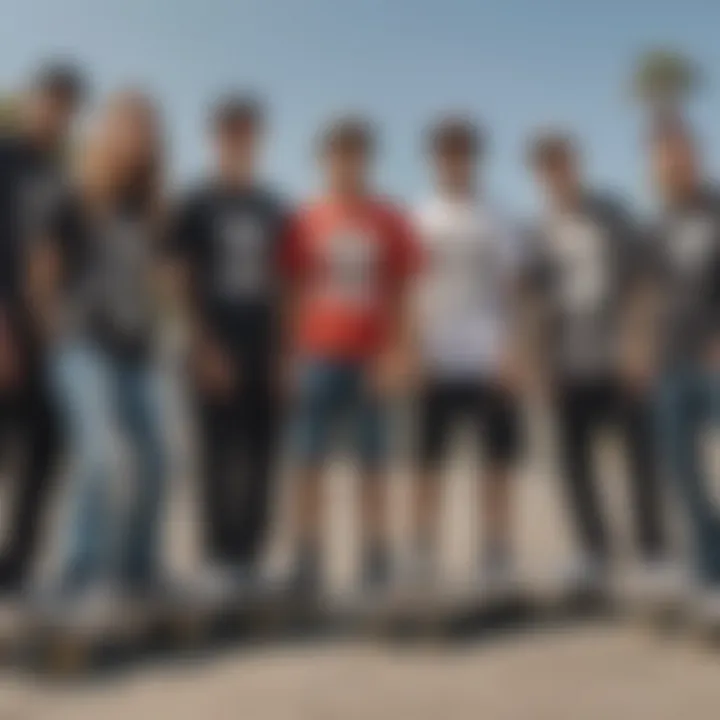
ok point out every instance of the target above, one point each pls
(68, 647)
(446, 614)
(258, 611)
(13, 628)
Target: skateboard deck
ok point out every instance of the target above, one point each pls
(445, 614)
(13, 628)
(61, 648)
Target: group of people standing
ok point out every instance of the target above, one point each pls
(319, 319)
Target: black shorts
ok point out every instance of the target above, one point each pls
(492, 411)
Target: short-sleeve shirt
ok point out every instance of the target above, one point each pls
(106, 273)
(30, 183)
(472, 263)
(588, 259)
(348, 263)
(685, 246)
(230, 239)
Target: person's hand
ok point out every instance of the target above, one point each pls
(712, 355)
(512, 374)
(391, 374)
(214, 369)
(10, 363)
(286, 382)
(638, 373)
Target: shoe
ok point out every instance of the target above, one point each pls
(497, 576)
(306, 577)
(585, 578)
(217, 584)
(97, 609)
(420, 571)
(376, 571)
(706, 607)
(657, 583)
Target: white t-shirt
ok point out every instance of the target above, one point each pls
(472, 260)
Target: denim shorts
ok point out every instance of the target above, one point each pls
(335, 404)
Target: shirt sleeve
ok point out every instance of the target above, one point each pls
(183, 237)
(292, 250)
(406, 256)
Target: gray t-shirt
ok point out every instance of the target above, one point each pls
(685, 248)
(584, 262)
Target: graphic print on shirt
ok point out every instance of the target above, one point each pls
(693, 243)
(467, 269)
(349, 267)
(240, 256)
(125, 261)
(583, 275)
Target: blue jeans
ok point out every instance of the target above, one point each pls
(105, 400)
(334, 396)
(688, 401)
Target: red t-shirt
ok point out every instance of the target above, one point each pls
(349, 262)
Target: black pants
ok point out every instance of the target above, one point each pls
(238, 442)
(584, 408)
(29, 435)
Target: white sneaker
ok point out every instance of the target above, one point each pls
(217, 584)
(707, 607)
(96, 610)
(419, 571)
(498, 580)
(586, 575)
(657, 582)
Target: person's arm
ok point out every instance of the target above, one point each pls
(211, 366)
(292, 262)
(56, 237)
(395, 365)
(640, 301)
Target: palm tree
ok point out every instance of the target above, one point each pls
(663, 81)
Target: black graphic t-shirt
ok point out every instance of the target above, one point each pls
(107, 263)
(586, 261)
(230, 239)
(29, 183)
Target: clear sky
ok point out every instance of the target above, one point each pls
(515, 64)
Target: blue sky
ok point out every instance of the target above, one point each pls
(514, 63)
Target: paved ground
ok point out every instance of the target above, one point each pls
(588, 673)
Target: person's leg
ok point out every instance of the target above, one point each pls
(679, 414)
(436, 411)
(215, 442)
(259, 430)
(10, 425)
(500, 423)
(139, 416)
(316, 414)
(40, 440)
(577, 421)
(370, 416)
(81, 380)
(637, 427)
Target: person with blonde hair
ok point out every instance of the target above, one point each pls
(91, 284)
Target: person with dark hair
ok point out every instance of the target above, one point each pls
(226, 235)
(348, 258)
(92, 285)
(687, 260)
(468, 345)
(589, 259)
(31, 174)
